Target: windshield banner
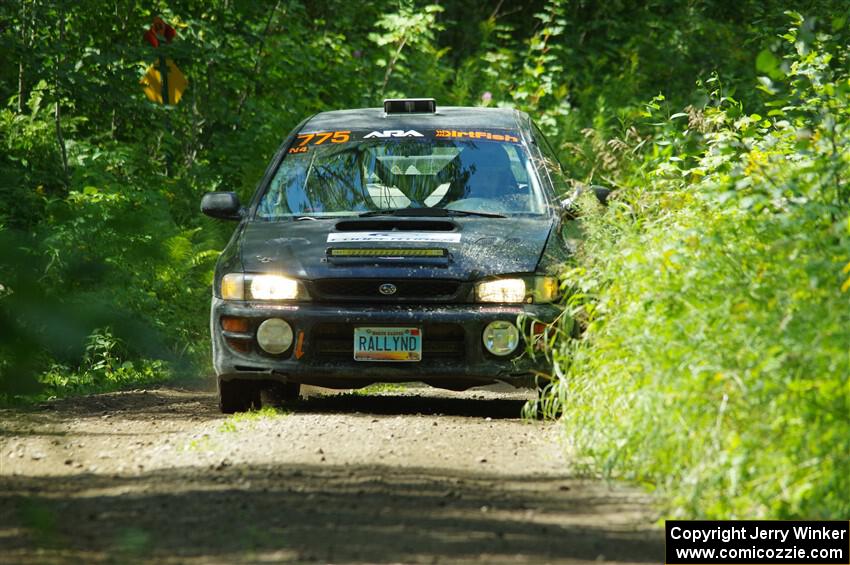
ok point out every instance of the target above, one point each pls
(305, 140)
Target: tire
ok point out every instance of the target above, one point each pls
(278, 393)
(238, 395)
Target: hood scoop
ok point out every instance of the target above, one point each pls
(392, 242)
(395, 225)
(301, 249)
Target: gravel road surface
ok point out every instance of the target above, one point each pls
(399, 475)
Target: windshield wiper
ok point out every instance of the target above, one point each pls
(472, 213)
(400, 212)
(429, 212)
(300, 218)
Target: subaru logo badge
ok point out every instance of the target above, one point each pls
(387, 289)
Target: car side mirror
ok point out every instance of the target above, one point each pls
(568, 205)
(601, 193)
(221, 205)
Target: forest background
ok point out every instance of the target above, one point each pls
(713, 290)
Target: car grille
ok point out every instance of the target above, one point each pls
(407, 290)
(439, 341)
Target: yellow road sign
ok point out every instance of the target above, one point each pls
(152, 83)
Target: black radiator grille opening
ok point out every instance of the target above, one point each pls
(439, 341)
(385, 290)
(396, 225)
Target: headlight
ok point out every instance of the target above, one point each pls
(536, 289)
(501, 290)
(273, 287)
(260, 287)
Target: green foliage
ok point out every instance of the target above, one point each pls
(99, 188)
(715, 361)
(379, 389)
(411, 28)
(103, 368)
(233, 423)
(713, 290)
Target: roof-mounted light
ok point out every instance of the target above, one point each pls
(410, 106)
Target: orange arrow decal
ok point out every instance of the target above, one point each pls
(299, 345)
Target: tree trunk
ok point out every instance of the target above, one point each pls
(255, 73)
(60, 138)
(391, 65)
(21, 73)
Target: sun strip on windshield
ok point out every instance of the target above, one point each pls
(452, 133)
(304, 141)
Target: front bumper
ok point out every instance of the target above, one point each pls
(453, 353)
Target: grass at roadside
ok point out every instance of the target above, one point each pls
(379, 388)
(234, 422)
(105, 367)
(714, 290)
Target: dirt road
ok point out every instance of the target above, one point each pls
(400, 476)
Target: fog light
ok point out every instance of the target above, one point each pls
(274, 336)
(500, 338)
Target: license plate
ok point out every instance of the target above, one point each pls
(387, 344)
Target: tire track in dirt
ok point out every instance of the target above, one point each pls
(411, 475)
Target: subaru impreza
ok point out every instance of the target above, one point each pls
(394, 244)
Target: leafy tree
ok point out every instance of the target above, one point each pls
(712, 291)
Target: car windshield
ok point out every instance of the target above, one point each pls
(379, 172)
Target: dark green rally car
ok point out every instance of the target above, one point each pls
(390, 244)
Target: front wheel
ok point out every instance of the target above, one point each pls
(279, 394)
(238, 395)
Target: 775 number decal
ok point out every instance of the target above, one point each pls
(306, 139)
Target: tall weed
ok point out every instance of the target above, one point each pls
(715, 364)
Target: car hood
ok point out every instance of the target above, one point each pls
(475, 247)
